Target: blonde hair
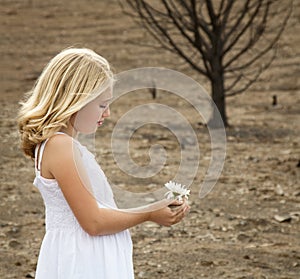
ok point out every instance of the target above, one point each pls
(72, 79)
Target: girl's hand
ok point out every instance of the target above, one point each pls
(167, 216)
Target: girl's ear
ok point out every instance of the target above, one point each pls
(72, 119)
(71, 123)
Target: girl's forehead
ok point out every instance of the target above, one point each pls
(105, 96)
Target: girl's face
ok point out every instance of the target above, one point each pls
(92, 115)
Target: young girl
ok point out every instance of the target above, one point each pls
(86, 236)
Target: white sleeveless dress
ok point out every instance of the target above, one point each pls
(67, 251)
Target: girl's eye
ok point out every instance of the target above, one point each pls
(103, 106)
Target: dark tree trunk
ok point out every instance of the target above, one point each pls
(234, 41)
(218, 96)
(217, 78)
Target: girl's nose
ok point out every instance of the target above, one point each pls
(106, 113)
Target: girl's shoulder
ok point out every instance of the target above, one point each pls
(52, 152)
(60, 152)
(60, 145)
(60, 140)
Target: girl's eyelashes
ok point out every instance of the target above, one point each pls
(103, 106)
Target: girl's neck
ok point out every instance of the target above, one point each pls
(70, 130)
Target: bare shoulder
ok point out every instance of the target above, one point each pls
(59, 152)
(62, 145)
(60, 141)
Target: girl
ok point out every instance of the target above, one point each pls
(86, 235)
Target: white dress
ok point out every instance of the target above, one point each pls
(67, 251)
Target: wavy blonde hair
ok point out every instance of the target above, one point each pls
(72, 79)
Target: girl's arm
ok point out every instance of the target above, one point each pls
(61, 160)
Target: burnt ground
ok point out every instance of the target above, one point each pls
(247, 227)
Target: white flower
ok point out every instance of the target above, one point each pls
(176, 191)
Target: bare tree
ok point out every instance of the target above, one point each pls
(229, 42)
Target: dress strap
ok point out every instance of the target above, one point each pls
(39, 150)
(36, 154)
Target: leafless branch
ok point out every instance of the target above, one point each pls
(227, 37)
(250, 81)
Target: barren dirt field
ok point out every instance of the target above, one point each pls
(247, 227)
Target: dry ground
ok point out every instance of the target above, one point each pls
(236, 231)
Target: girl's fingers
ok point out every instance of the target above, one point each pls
(176, 202)
(179, 217)
(179, 211)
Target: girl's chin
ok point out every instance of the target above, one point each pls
(88, 132)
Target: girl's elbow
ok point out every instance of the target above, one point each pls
(93, 229)
(93, 225)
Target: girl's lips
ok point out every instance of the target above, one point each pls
(100, 123)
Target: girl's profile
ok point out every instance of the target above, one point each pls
(86, 235)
